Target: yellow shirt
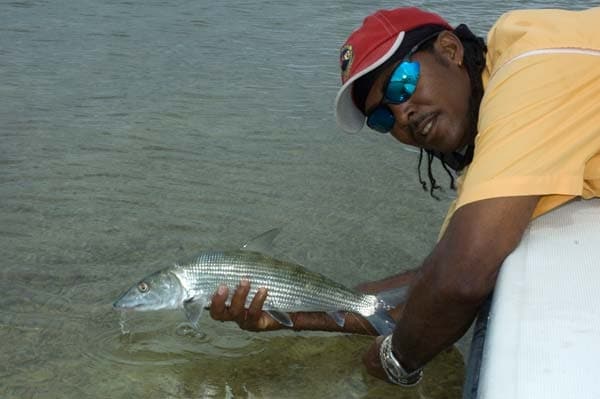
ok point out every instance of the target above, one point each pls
(539, 121)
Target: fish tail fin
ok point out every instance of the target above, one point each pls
(381, 320)
(393, 297)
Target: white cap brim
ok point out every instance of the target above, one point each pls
(349, 118)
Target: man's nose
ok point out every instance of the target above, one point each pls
(403, 113)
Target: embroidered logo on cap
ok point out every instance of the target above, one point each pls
(346, 58)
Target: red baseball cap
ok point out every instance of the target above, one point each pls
(368, 47)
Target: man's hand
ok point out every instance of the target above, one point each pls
(251, 319)
(372, 361)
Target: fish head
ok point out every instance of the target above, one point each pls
(161, 290)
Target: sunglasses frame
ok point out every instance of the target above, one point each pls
(381, 119)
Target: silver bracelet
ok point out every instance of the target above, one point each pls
(393, 369)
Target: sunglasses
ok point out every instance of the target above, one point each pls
(399, 88)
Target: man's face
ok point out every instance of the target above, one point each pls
(437, 115)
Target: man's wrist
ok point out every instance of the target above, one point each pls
(393, 369)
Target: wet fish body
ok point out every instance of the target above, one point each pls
(291, 288)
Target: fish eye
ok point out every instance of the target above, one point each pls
(143, 286)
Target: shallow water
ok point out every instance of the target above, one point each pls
(135, 133)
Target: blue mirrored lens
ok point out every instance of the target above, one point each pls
(403, 82)
(400, 87)
(381, 120)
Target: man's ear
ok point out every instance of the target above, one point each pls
(450, 47)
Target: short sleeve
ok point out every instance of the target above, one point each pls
(539, 126)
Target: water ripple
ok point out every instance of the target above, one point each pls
(162, 339)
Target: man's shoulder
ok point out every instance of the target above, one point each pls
(521, 31)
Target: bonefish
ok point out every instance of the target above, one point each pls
(290, 286)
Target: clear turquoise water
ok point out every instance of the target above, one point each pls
(135, 133)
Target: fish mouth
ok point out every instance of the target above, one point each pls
(128, 308)
(119, 305)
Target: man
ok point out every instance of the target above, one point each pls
(521, 123)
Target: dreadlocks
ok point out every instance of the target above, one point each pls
(432, 182)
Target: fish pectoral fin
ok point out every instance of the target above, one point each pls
(339, 317)
(262, 243)
(193, 310)
(281, 317)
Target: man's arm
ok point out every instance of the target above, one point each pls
(448, 271)
(455, 279)
(395, 281)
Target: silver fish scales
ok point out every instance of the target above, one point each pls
(291, 287)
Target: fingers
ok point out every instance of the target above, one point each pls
(252, 318)
(218, 309)
(236, 309)
(255, 313)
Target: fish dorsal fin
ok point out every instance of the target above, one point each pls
(262, 243)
